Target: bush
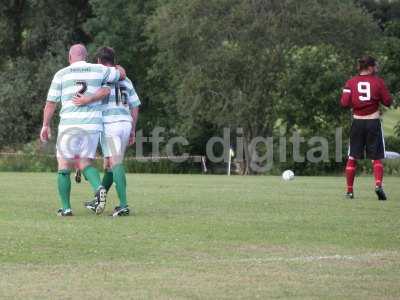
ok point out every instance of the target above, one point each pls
(33, 157)
(392, 143)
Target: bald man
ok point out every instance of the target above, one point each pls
(80, 126)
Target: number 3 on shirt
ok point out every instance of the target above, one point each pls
(364, 89)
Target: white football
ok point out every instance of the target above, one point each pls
(288, 175)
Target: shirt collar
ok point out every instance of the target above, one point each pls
(79, 62)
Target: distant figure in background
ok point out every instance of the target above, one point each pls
(80, 126)
(120, 114)
(363, 94)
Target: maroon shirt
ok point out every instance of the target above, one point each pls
(364, 93)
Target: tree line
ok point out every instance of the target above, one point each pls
(266, 67)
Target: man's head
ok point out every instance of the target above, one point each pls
(77, 52)
(106, 56)
(367, 65)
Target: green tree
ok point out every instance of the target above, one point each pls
(223, 59)
(307, 99)
(11, 25)
(383, 11)
(309, 89)
(36, 36)
(387, 13)
(120, 24)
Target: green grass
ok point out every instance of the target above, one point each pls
(390, 119)
(202, 237)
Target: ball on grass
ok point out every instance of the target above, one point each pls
(288, 175)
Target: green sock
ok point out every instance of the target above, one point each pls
(107, 179)
(92, 175)
(64, 188)
(120, 183)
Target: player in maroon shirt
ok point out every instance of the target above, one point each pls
(363, 94)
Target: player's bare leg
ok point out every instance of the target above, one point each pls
(78, 175)
(108, 175)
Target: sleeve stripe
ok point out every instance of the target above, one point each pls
(112, 75)
(54, 93)
(106, 75)
(346, 91)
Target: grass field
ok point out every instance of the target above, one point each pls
(202, 237)
(390, 119)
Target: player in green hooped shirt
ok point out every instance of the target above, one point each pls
(80, 126)
(120, 114)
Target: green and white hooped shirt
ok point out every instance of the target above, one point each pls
(122, 98)
(86, 78)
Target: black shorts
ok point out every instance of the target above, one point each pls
(366, 137)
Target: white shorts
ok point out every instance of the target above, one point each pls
(115, 138)
(77, 143)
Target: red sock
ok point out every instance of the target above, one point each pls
(351, 167)
(378, 172)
